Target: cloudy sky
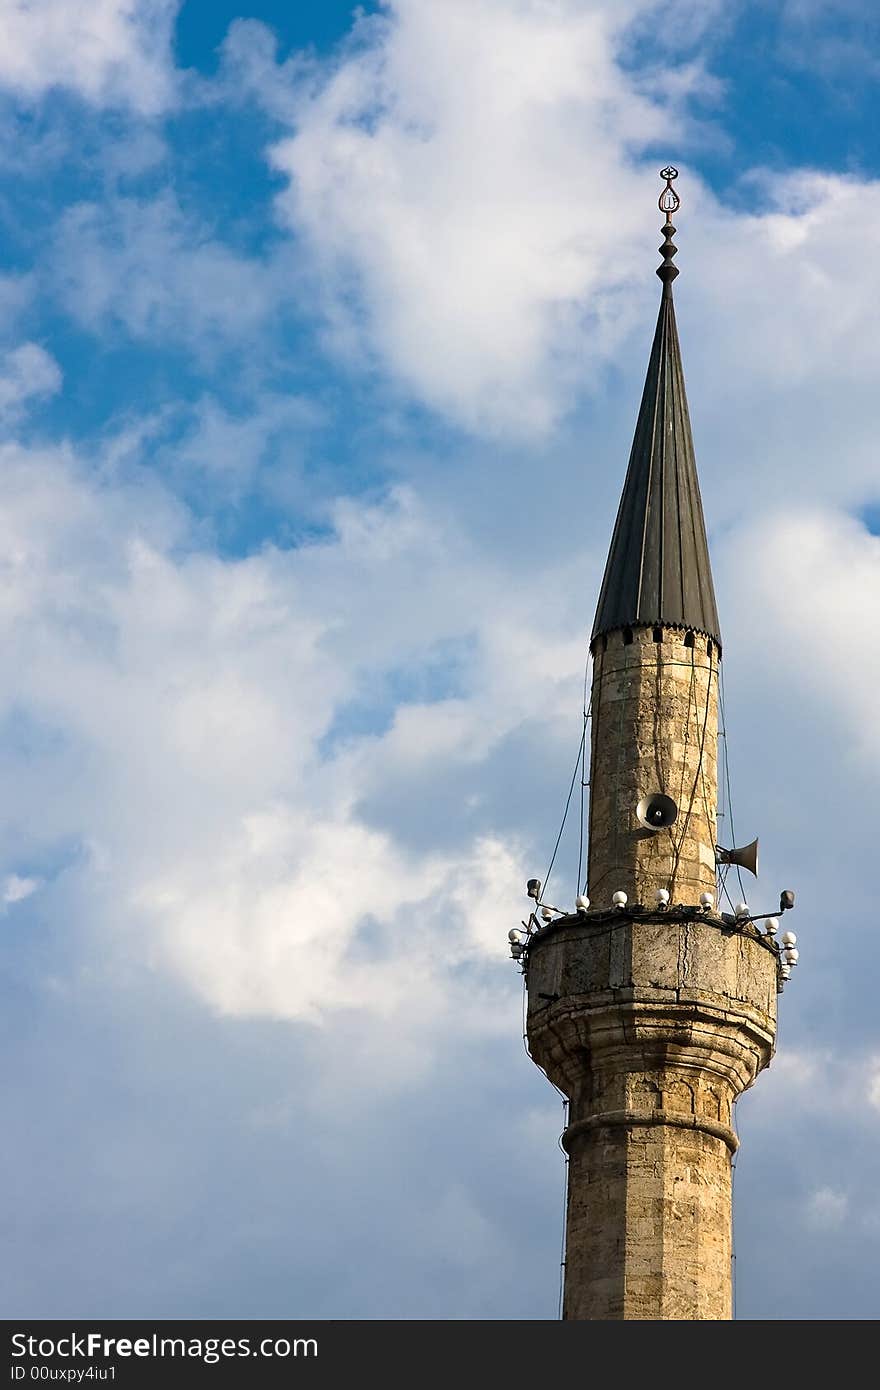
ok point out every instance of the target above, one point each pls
(321, 341)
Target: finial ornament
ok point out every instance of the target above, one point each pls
(668, 202)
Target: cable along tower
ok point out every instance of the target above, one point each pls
(648, 1007)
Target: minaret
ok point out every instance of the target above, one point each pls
(648, 1008)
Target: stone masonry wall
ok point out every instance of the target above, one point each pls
(649, 1219)
(652, 1027)
(654, 729)
(651, 1022)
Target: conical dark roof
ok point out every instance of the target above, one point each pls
(658, 568)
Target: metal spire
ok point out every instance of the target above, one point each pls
(658, 570)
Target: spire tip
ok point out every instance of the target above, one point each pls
(668, 202)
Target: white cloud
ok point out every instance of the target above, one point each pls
(222, 843)
(800, 1068)
(230, 449)
(16, 888)
(147, 267)
(26, 372)
(277, 933)
(469, 184)
(227, 843)
(192, 724)
(836, 1086)
(110, 52)
(873, 1090)
(198, 690)
(793, 251)
(826, 1209)
(467, 175)
(820, 574)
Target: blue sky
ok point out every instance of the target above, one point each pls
(321, 344)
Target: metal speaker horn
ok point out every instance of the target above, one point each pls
(746, 857)
(657, 811)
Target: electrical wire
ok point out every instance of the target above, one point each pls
(582, 872)
(680, 845)
(580, 762)
(727, 779)
(564, 1098)
(687, 732)
(563, 1249)
(735, 1128)
(584, 780)
(706, 807)
(565, 812)
(723, 890)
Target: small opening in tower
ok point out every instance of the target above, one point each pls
(603, 642)
(710, 647)
(627, 636)
(658, 634)
(689, 639)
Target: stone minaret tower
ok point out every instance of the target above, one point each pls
(653, 1012)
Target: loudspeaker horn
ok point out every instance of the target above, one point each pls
(746, 856)
(657, 811)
